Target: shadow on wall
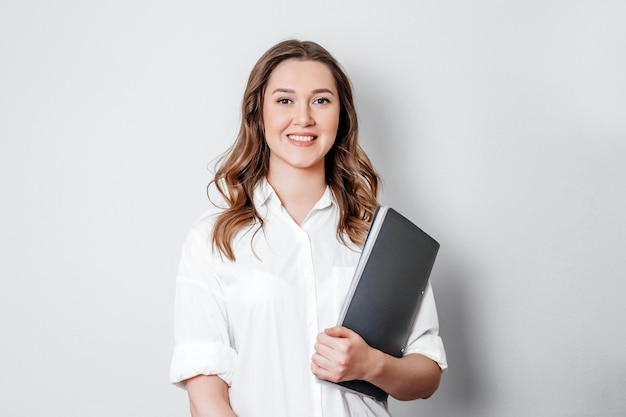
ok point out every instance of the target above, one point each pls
(462, 384)
(462, 391)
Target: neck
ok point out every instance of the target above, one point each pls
(298, 191)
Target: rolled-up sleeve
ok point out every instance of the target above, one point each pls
(424, 338)
(202, 343)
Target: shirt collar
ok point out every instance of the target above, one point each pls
(263, 192)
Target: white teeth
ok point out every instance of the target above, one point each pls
(301, 138)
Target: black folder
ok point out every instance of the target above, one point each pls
(389, 281)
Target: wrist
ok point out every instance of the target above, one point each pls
(375, 365)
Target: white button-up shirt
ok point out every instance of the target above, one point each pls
(253, 322)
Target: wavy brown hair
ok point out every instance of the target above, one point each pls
(349, 172)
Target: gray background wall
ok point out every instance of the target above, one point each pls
(498, 126)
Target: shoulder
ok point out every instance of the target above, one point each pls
(202, 227)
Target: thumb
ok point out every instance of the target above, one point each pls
(338, 331)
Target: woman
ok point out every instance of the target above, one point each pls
(264, 272)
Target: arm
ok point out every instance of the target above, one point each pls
(203, 360)
(208, 397)
(342, 355)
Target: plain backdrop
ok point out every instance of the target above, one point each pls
(498, 126)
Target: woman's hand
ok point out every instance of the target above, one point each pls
(342, 355)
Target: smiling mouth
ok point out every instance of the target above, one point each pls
(300, 138)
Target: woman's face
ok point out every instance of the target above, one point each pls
(301, 110)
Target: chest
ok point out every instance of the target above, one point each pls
(287, 277)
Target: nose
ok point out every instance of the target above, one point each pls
(303, 115)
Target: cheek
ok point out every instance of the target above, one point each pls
(334, 123)
(265, 117)
(268, 128)
(273, 122)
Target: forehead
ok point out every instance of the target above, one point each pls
(299, 74)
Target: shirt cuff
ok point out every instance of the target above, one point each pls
(202, 358)
(431, 346)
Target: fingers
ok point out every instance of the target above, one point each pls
(320, 371)
(320, 364)
(325, 368)
(330, 338)
(336, 354)
(330, 352)
(337, 342)
(339, 331)
(326, 348)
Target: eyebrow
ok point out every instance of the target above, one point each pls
(291, 91)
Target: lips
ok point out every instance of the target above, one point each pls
(302, 138)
